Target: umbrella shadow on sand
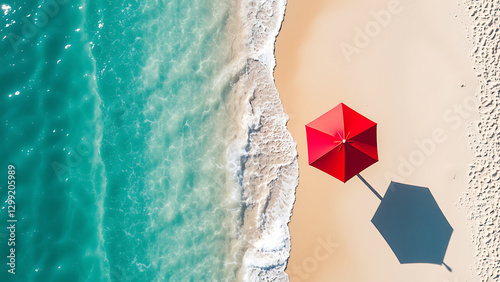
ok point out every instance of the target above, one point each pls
(342, 143)
(412, 224)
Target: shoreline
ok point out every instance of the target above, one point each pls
(269, 164)
(406, 64)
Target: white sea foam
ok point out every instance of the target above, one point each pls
(268, 157)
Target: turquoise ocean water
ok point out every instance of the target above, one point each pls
(114, 114)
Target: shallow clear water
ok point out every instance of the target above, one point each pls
(115, 116)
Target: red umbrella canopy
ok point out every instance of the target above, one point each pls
(342, 142)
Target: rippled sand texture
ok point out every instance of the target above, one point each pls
(483, 198)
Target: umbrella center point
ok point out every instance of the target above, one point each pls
(343, 140)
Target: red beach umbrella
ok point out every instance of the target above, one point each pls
(342, 142)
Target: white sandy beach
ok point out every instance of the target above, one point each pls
(407, 66)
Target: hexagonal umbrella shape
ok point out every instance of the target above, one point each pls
(342, 142)
(412, 224)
